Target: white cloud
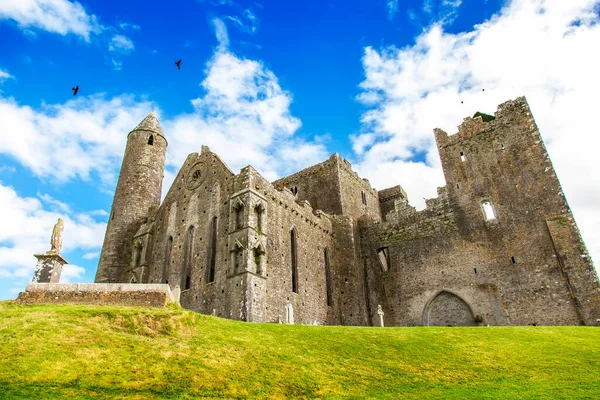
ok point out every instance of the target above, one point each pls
(121, 44)
(221, 33)
(26, 229)
(392, 8)
(57, 16)
(4, 75)
(92, 255)
(247, 22)
(125, 25)
(538, 48)
(88, 132)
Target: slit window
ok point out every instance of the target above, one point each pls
(294, 190)
(488, 211)
(167, 266)
(513, 260)
(363, 197)
(294, 255)
(239, 216)
(188, 249)
(383, 254)
(212, 250)
(328, 277)
(258, 210)
(151, 140)
(462, 156)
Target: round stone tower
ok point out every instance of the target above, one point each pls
(137, 194)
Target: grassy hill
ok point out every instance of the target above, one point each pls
(118, 352)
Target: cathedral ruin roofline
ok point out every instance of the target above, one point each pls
(150, 124)
(480, 122)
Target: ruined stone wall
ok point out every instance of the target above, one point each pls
(193, 200)
(242, 289)
(504, 268)
(314, 233)
(357, 195)
(319, 185)
(389, 197)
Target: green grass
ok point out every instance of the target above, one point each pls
(120, 352)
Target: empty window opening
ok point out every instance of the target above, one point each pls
(188, 248)
(475, 270)
(328, 277)
(462, 156)
(363, 197)
(488, 211)
(258, 260)
(513, 260)
(294, 254)
(294, 190)
(167, 266)
(239, 216)
(238, 258)
(151, 140)
(383, 254)
(259, 211)
(212, 250)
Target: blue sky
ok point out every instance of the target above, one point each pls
(277, 84)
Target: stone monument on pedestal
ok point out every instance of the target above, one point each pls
(49, 265)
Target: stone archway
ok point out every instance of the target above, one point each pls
(447, 309)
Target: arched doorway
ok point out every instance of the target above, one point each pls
(447, 309)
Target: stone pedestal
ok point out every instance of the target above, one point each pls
(49, 267)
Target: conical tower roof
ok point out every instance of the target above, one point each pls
(150, 124)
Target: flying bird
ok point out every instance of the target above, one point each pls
(483, 90)
(461, 102)
(75, 90)
(178, 63)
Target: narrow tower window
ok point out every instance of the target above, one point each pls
(462, 156)
(212, 250)
(188, 250)
(294, 190)
(327, 277)
(294, 254)
(151, 140)
(488, 211)
(383, 254)
(258, 210)
(239, 216)
(167, 266)
(363, 197)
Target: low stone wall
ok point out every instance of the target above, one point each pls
(116, 294)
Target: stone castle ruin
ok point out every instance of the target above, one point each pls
(498, 246)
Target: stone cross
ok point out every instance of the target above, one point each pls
(380, 312)
(57, 237)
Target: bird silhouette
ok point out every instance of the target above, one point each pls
(461, 102)
(483, 90)
(75, 90)
(178, 63)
